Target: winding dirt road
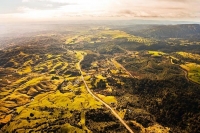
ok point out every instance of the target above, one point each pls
(123, 68)
(186, 73)
(97, 98)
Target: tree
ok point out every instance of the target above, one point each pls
(101, 84)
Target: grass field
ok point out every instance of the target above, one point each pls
(189, 55)
(98, 35)
(193, 71)
(38, 102)
(156, 53)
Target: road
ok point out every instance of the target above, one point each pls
(130, 53)
(186, 73)
(186, 76)
(123, 68)
(97, 98)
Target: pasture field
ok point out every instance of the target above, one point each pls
(193, 70)
(156, 53)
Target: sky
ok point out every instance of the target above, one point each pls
(61, 10)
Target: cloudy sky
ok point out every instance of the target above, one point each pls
(58, 10)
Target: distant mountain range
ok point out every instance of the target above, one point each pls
(166, 31)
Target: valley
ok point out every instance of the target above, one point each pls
(100, 79)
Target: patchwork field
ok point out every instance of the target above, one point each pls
(98, 79)
(105, 34)
(47, 94)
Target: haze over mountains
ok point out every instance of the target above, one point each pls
(22, 27)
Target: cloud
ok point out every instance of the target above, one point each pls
(64, 9)
(179, 0)
(46, 5)
(25, 1)
(157, 14)
(50, 1)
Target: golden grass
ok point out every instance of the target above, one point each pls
(100, 77)
(25, 104)
(156, 53)
(5, 118)
(115, 34)
(189, 55)
(193, 71)
(98, 35)
(82, 121)
(116, 64)
(156, 128)
(33, 81)
(67, 100)
(108, 99)
(122, 113)
(20, 99)
(25, 70)
(71, 129)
